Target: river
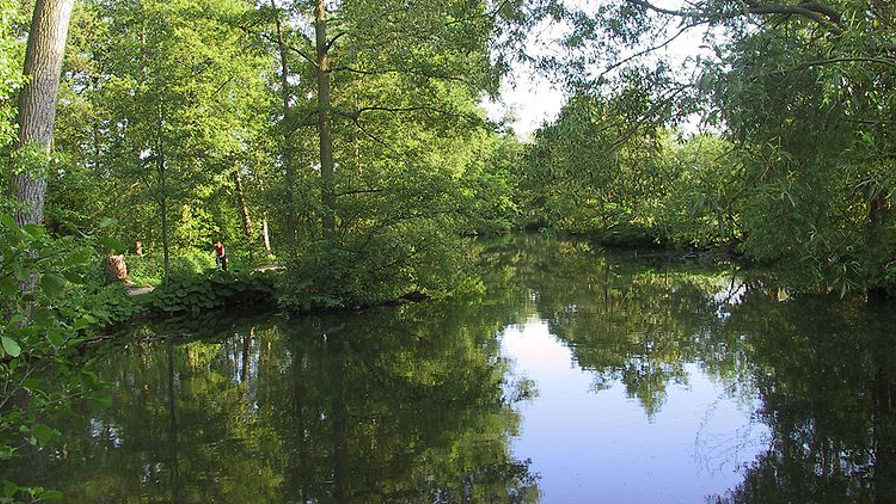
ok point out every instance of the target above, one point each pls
(563, 374)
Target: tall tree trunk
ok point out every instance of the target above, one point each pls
(163, 192)
(327, 168)
(288, 151)
(37, 101)
(241, 203)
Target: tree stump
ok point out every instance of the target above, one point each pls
(116, 269)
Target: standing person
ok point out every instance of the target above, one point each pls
(220, 256)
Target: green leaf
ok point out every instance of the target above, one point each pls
(56, 338)
(43, 316)
(35, 230)
(103, 401)
(44, 434)
(9, 488)
(77, 257)
(10, 346)
(51, 495)
(6, 452)
(81, 323)
(8, 286)
(8, 221)
(73, 277)
(52, 284)
(112, 244)
(107, 222)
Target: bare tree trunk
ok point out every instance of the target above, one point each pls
(37, 101)
(288, 153)
(327, 167)
(241, 203)
(265, 236)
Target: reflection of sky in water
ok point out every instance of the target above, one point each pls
(600, 447)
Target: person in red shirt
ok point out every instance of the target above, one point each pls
(220, 255)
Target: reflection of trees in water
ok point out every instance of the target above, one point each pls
(410, 404)
(636, 323)
(826, 375)
(401, 404)
(823, 368)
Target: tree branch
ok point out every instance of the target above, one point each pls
(270, 39)
(814, 11)
(850, 59)
(333, 40)
(649, 50)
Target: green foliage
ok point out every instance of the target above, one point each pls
(490, 182)
(217, 289)
(702, 206)
(149, 269)
(11, 50)
(101, 305)
(598, 169)
(161, 102)
(39, 332)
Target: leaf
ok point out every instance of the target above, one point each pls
(107, 222)
(51, 495)
(6, 452)
(56, 338)
(8, 287)
(43, 316)
(77, 257)
(35, 230)
(8, 221)
(103, 401)
(112, 244)
(10, 346)
(9, 488)
(43, 434)
(73, 277)
(81, 323)
(52, 284)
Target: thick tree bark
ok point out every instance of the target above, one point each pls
(327, 168)
(241, 203)
(37, 101)
(288, 152)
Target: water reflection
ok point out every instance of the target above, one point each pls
(817, 371)
(622, 379)
(403, 404)
(826, 374)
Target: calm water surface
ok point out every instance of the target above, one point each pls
(567, 375)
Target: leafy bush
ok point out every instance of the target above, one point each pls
(101, 305)
(215, 289)
(376, 268)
